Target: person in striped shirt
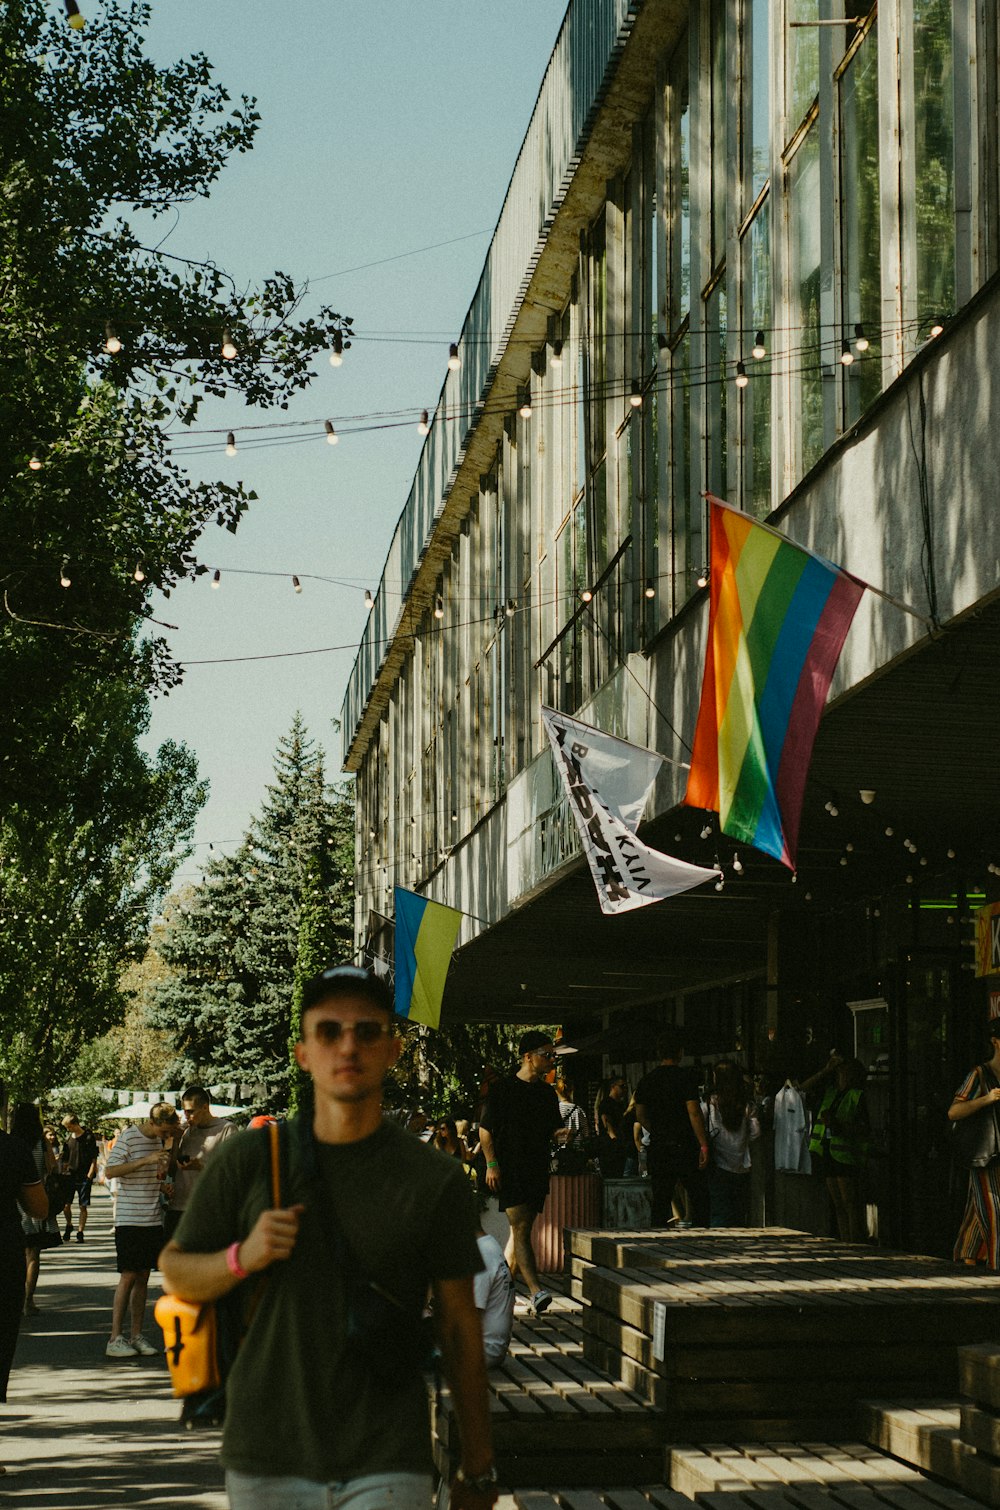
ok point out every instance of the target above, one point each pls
(138, 1163)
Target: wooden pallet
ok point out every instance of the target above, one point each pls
(555, 1417)
(923, 1433)
(805, 1476)
(771, 1333)
(979, 1370)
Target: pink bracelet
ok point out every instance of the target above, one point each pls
(233, 1261)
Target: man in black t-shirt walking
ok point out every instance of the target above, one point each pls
(78, 1158)
(667, 1105)
(520, 1120)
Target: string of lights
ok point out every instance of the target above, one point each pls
(195, 441)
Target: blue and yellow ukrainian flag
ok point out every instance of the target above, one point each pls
(425, 937)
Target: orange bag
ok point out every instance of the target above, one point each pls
(191, 1340)
(191, 1332)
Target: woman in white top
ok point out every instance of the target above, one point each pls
(731, 1123)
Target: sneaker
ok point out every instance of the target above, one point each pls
(540, 1301)
(142, 1345)
(79, 1237)
(119, 1347)
(66, 1234)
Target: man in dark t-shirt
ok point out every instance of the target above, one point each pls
(520, 1120)
(667, 1106)
(78, 1157)
(370, 1218)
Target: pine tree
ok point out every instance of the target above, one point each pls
(262, 922)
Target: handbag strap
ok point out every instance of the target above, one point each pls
(277, 1152)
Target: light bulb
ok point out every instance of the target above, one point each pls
(759, 349)
(720, 884)
(111, 342)
(216, 578)
(737, 865)
(936, 328)
(587, 594)
(741, 375)
(439, 607)
(861, 341)
(635, 396)
(454, 360)
(843, 859)
(369, 600)
(524, 408)
(423, 424)
(951, 854)
(64, 577)
(706, 832)
(332, 438)
(337, 354)
(867, 795)
(703, 577)
(649, 590)
(73, 14)
(35, 464)
(849, 847)
(834, 811)
(846, 354)
(138, 575)
(228, 347)
(230, 444)
(296, 584)
(889, 831)
(557, 347)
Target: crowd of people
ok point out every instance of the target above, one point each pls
(380, 1211)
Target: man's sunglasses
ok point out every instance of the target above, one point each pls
(544, 1053)
(368, 1030)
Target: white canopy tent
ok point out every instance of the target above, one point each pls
(140, 1109)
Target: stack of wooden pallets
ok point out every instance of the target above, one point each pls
(979, 1369)
(771, 1334)
(555, 1418)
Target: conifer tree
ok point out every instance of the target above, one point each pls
(263, 919)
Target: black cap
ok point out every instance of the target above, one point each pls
(348, 980)
(533, 1039)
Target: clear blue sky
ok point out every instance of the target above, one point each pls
(387, 127)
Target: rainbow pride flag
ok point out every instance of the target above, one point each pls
(425, 937)
(778, 617)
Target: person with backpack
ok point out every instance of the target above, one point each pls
(326, 1401)
(731, 1124)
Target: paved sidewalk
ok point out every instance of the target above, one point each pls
(80, 1430)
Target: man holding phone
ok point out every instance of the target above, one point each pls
(200, 1138)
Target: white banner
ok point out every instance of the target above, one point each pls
(626, 872)
(619, 775)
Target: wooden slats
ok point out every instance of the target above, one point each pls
(743, 1318)
(804, 1476)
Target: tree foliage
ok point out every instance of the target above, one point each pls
(96, 509)
(264, 918)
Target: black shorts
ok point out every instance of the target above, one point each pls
(138, 1248)
(523, 1187)
(83, 1190)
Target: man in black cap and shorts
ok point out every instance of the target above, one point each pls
(520, 1120)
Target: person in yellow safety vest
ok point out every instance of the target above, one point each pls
(840, 1139)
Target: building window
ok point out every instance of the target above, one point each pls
(801, 54)
(934, 159)
(803, 340)
(861, 260)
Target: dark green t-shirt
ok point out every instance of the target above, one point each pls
(297, 1402)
